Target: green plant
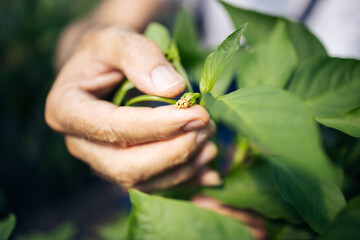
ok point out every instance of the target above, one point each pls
(287, 87)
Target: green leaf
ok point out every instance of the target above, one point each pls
(186, 37)
(217, 60)
(290, 232)
(253, 188)
(159, 34)
(225, 79)
(159, 218)
(328, 87)
(348, 122)
(286, 133)
(346, 225)
(7, 225)
(316, 199)
(66, 231)
(261, 26)
(270, 61)
(306, 44)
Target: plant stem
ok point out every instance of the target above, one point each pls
(144, 98)
(179, 68)
(121, 92)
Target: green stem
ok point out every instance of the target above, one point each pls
(179, 68)
(121, 92)
(145, 98)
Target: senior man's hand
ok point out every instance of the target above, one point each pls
(146, 148)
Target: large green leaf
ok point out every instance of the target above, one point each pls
(261, 26)
(346, 225)
(218, 60)
(306, 44)
(284, 129)
(7, 225)
(159, 34)
(316, 199)
(348, 122)
(270, 61)
(158, 218)
(328, 87)
(253, 188)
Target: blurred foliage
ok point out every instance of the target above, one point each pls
(115, 229)
(34, 162)
(6, 226)
(66, 231)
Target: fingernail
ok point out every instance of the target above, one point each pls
(165, 77)
(202, 135)
(193, 125)
(210, 179)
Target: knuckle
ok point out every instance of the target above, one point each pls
(112, 134)
(50, 119)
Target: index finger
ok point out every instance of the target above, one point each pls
(99, 120)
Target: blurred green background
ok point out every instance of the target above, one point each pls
(39, 181)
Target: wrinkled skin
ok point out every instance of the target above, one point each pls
(140, 147)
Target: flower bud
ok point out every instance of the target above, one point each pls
(187, 100)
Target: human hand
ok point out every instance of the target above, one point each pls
(146, 148)
(254, 222)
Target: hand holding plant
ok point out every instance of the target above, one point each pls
(128, 145)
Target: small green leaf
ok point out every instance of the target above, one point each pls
(346, 224)
(225, 79)
(159, 218)
(253, 188)
(348, 122)
(284, 130)
(159, 34)
(270, 61)
(217, 60)
(329, 86)
(7, 225)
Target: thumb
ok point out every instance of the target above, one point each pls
(138, 58)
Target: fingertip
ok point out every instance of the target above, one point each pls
(198, 118)
(210, 178)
